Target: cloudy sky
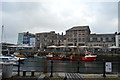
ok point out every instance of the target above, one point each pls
(58, 16)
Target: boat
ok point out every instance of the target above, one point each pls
(88, 56)
(74, 58)
(8, 59)
(14, 57)
(50, 56)
(19, 55)
(3, 58)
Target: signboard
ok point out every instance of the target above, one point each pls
(108, 67)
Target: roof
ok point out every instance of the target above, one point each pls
(78, 28)
(101, 34)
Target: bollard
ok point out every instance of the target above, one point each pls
(51, 75)
(7, 69)
(104, 68)
(78, 67)
(24, 73)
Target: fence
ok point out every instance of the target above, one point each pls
(88, 67)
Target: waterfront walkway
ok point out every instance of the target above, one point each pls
(64, 76)
(0, 75)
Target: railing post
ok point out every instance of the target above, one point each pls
(19, 67)
(32, 72)
(51, 75)
(45, 66)
(119, 66)
(78, 67)
(104, 68)
(24, 73)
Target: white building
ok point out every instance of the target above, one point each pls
(118, 40)
(118, 35)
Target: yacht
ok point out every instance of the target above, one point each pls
(8, 59)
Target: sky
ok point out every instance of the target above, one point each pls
(56, 15)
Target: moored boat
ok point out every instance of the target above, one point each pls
(8, 59)
(88, 56)
(52, 57)
(14, 57)
(19, 55)
(74, 58)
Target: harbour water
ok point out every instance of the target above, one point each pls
(86, 67)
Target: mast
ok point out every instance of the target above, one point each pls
(1, 41)
(1, 44)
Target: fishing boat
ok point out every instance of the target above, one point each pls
(52, 57)
(73, 58)
(88, 56)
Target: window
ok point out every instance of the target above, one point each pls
(79, 39)
(81, 44)
(95, 39)
(45, 35)
(101, 39)
(107, 39)
(70, 44)
(83, 39)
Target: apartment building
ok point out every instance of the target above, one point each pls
(77, 36)
(26, 38)
(44, 39)
(118, 39)
(103, 40)
(60, 40)
(49, 38)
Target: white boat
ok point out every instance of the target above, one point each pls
(7, 58)
(3, 58)
(21, 58)
(16, 58)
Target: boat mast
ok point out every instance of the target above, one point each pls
(1, 41)
(1, 44)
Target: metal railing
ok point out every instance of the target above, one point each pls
(48, 66)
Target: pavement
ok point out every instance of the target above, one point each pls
(0, 75)
(62, 76)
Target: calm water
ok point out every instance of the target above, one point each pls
(40, 64)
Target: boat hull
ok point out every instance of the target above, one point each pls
(19, 55)
(54, 58)
(75, 59)
(88, 58)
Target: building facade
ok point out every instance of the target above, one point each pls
(26, 38)
(77, 36)
(44, 39)
(118, 40)
(103, 40)
(60, 40)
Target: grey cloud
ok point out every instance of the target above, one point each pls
(57, 16)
